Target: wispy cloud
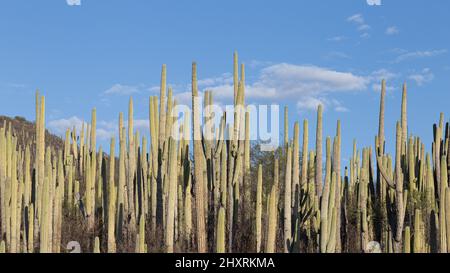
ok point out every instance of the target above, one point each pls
(311, 104)
(393, 30)
(336, 55)
(290, 81)
(73, 2)
(338, 107)
(15, 87)
(308, 84)
(419, 54)
(373, 2)
(356, 18)
(59, 126)
(365, 35)
(258, 63)
(104, 131)
(382, 74)
(423, 77)
(120, 89)
(337, 39)
(361, 26)
(225, 78)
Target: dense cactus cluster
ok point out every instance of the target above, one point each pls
(198, 189)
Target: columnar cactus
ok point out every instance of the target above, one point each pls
(259, 196)
(172, 188)
(131, 168)
(404, 203)
(397, 184)
(287, 201)
(96, 245)
(324, 205)
(318, 164)
(296, 163)
(141, 241)
(121, 191)
(198, 167)
(220, 244)
(272, 213)
(442, 206)
(112, 198)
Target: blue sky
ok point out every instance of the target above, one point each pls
(297, 53)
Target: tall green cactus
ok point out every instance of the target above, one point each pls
(259, 196)
(318, 164)
(172, 188)
(198, 167)
(112, 198)
(221, 231)
(287, 201)
(272, 213)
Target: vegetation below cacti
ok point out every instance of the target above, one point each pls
(170, 194)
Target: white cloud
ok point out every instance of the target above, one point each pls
(365, 35)
(154, 89)
(392, 30)
(307, 84)
(363, 27)
(184, 98)
(104, 131)
(310, 85)
(300, 79)
(338, 107)
(225, 78)
(285, 80)
(309, 103)
(17, 85)
(73, 2)
(258, 63)
(373, 2)
(341, 109)
(377, 87)
(359, 21)
(119, 89)
(336, 38)
(60, 126)
(141, 125)
(336, 55)
(382, 74)
(419, 54)
(103, 134)
(423, 77)
(356, 18)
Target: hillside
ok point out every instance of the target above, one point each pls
(24, 129)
